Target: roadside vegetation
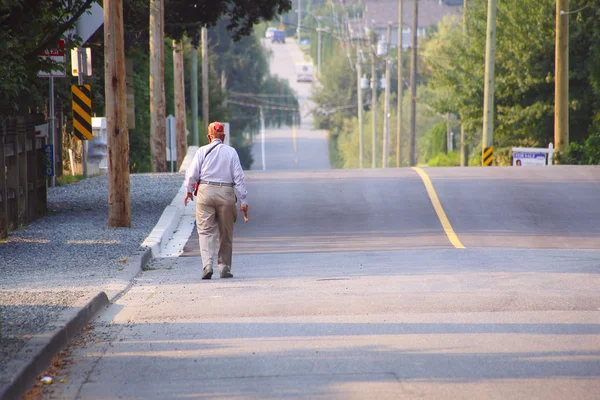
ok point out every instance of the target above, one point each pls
(238, 67)
(450, 86)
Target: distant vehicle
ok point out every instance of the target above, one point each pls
(269, 34)
(305, 42)
(278, 36)
(304, 72)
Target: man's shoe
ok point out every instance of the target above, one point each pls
(207, 274)
(226, 274)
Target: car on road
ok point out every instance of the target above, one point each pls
(278, 36)
(269, 33)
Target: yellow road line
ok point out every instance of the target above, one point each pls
(439, 209)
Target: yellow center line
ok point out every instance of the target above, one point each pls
(439, 209)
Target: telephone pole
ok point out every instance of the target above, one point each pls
(374, 108)
(180, 136)
(561, 88)
(204, 38)
(361, 132)
(487, 144)
(386, 107)
(464, 157)
(400, 87)
(119, 211)
(158, 122)
(413, 86)
(194, 96)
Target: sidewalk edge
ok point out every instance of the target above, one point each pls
(49, 344)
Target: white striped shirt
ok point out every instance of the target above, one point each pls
(222, 166)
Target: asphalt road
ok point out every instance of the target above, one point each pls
(347, 285)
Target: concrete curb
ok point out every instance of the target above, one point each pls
(169, 220)
(36, 356)
(38, 353)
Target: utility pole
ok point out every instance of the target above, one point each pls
(158, 122)
(374, 106)
(205, 110)
(413, 86)
(561, 89)
(180, 136)
(464, 158)
(299, 19)
(119, 211)
(361, 132)
(487, 145)
(400, 87)
(194, 97)
(386, 107)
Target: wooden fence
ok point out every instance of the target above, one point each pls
(23, 196)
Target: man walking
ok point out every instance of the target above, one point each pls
(217, 170)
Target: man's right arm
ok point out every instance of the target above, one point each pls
(192, 175)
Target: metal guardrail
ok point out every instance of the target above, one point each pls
(23, 194)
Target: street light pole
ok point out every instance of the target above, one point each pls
(319, 51)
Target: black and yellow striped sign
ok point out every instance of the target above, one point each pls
(488, 156)
(82, 111)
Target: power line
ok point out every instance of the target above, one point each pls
(267, 106)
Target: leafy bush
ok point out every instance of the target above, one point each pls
(452, 159)
(582, 154)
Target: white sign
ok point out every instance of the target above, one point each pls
(524, 156)
(89, 22)
(86, 62)
(56, 56)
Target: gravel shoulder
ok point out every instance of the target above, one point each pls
(71, 254)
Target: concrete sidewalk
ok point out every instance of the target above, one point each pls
(50, 288)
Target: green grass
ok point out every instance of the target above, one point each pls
(67, 179)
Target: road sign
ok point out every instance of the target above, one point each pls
(89, 22)
(86, 64)
(49, 164)
(82, 111)
(488, 156)
(55, 56)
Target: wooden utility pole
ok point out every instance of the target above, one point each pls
(374, 106)
(464, 158)
(205, 104)
(194, 96)
(561, 88)
(158, 122)
(487, 143)
(180, 128)
(119, 212)
(413, 87)
(386, 108)
(361, 133)
(400, 87)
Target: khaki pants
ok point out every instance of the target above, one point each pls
(216, 212)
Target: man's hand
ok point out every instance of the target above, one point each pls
(244, 209)
(188, 197)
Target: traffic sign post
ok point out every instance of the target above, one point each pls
(55, 56)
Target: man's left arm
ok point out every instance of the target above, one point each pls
(239, 181)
